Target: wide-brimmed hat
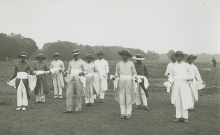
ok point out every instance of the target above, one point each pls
(40, 56)
(180, 53)
(56, 54)
(192, 56)
(100, 52)
(76, 52)
(138, 57)
(23, 54)
(124, 51)
(89, 56)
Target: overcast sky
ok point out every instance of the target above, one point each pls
(192, 26)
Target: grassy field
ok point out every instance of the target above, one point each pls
(104, 118)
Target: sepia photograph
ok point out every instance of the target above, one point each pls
(109, 67)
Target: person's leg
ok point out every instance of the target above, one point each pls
(91, 99)
(178, 104)
(42, 94)
(38, 97)
(60, 90)
(102, 95)
(138, 98)
(55, 86)
(24, 97)
(19, 96)
(69, 97)
(122, 101)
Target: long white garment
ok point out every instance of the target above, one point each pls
(103, 69)
(21, 90)
(169, 68)
(57, 77)
(180, 111)
(196, 83)
(139, 92)
(180, 75)
(40, 97)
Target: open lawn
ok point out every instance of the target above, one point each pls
(104, 118)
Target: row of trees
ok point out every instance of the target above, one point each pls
(65, 49)
(11, 46)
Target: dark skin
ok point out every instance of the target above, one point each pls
(124, 57)
(179, 58)
(138, 61)
(100, 56)
(190, 60)
(89, 59)
(57, 58)
(40, 59)
(173, 60)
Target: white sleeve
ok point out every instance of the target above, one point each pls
(198, 76)
(106, 67)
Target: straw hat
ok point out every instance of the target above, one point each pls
(56, 54)
(76, 52)
(192, 56)
(125, 52)
(138, 57)
(89, 56)
(100, 52)
(40, 56)
(23, 54)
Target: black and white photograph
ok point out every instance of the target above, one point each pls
(109, 67)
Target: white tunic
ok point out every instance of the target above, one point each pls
(196, 81)
(169, 67)
(180, 75)
(103, 69)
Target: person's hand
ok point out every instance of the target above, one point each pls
(60, 70)
(81, 73)
(8, 80)
(203, 82)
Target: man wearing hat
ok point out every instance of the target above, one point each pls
(125, 95)
(21, 74)
(170, 65)
(197, 82)
(57, 67)
(92, 81)
(142, 75)
(41, 88)
(77, 68)
(181, 95)
(103, 69)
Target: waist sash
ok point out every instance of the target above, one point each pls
(22, 75)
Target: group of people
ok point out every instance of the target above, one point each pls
(184, 81)
(89, 79)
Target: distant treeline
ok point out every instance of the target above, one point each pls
(11, 45)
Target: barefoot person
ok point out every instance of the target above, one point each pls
(76, 69)
(57, 67)
(142, 75)
(21, 74)
(41, 88)
(197, 83)
(103, 69)
(181, 97)
(92, 81)
(126, 72)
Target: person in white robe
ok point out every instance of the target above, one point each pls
(92, 81)
(57, 68)
(125, 91)
(170, 65)
(197, 82)
(103, 69)
(181, 95)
